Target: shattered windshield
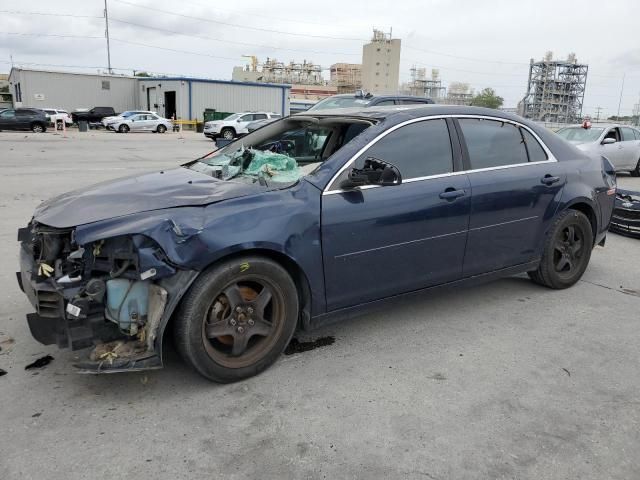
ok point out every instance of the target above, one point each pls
(280, 153)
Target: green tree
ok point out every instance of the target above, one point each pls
(487, 98)
(142, 74)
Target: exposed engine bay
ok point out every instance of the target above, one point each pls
(104, 294)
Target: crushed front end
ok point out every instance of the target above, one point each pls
(109, 297)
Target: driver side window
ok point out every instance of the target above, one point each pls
(613, 133)
(419, 149)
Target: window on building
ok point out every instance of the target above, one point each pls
(18, 91)
(492, 143)
(106, 85)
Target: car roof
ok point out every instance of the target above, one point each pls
(410, 111)
(371, 96)
(601, 125)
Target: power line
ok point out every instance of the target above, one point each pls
(48, 14)
(203, 37)
(229, 24)
(50, 35)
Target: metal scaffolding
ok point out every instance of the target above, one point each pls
(422, 86)
(555, 90)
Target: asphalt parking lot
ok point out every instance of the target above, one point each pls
(506, 380)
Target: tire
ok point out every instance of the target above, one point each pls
(567, 251)
(38, 128)
(227, 328)
(161, 129)
(228, 133)
(636, 171)
(123, 129)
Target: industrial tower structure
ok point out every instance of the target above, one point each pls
(421, 86)
(555, 90)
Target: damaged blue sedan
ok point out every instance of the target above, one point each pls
(307, 220)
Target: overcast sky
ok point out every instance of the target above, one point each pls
(485, 43)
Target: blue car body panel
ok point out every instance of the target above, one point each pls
(349, 248)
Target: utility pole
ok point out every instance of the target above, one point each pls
(598, 109)
(106, 21)
(621, 90)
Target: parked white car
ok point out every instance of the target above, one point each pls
(145, 122)
(234, 125)
(108, 121)
(56, 114)
(619, 143)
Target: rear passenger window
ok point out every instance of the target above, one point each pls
(418, 150)
(492, 143)
(535, 150)
(384, 103)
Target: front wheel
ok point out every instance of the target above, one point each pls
(123, 128)
(237, 318)
(636, 171)
(228, 133)
(566, 252)
(161, 129)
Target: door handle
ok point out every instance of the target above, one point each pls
(451, 194)
(549, 180)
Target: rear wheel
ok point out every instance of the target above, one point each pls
(636, 171)
(237, 318)
(161, 129)
(567, 251)
(123, 128)
(37, 128)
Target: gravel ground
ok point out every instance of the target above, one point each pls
(506, 380)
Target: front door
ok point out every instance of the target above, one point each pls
(514, 184)
(8, 120)
(614, 151)
(383, 241)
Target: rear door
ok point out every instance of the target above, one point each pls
(515, 187)
(24, 117)
(383, 241)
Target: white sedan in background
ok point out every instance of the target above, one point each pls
(56, 114)
(144, 122)
(107, 122)
(619, 143)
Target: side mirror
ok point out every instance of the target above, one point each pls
(608, 141)
(374, 172)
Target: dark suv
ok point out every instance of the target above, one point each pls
(349, 100)
(24, 119)
(96, 114)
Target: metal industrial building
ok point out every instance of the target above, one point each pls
(185, 97)
(555, 91)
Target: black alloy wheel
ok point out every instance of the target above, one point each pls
(237, 318)
(566, 252)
